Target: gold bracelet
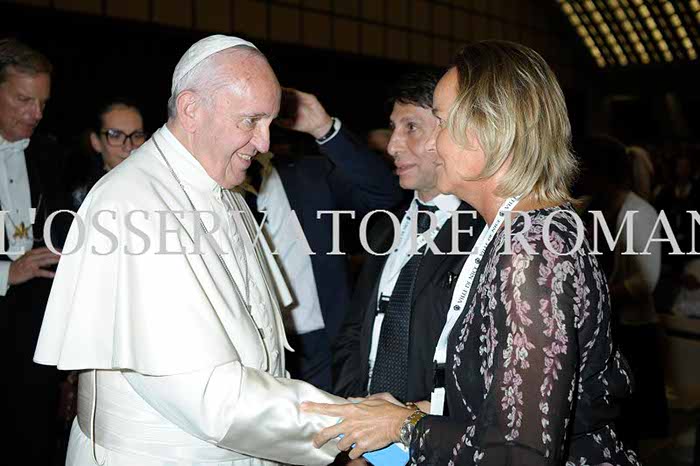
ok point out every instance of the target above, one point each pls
(409, 425)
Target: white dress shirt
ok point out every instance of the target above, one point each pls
(446, 203)
(304, 314)
(16, 201)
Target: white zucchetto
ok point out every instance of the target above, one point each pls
(202, 49)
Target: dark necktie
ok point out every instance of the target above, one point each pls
(390, 373)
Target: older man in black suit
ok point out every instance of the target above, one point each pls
(31, 168)
(401, 301)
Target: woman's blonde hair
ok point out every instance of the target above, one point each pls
(509, 97)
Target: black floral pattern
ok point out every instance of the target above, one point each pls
(533, 377)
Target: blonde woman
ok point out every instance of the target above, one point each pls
(531, 373)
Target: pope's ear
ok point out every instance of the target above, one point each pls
(187, 109)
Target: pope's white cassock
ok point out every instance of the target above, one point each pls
(175, 369)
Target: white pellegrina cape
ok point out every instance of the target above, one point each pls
(184, 372)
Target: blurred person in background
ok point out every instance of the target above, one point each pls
(632, 279)
(117, 130)
(642, 172)
(676, 198)
(378, 141)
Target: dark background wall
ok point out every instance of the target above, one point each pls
(348, 52)
(103, 48)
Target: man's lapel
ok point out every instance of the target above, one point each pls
(435, 265)
(34, 174)
(285, 167)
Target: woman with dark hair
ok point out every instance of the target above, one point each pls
(531, 372)
(116, 131)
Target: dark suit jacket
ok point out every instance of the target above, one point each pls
(22, 308)
(349, 177)
(431, 300)
(30, 390)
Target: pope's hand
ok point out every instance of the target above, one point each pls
(303, 112)
(31, 265)
(369, 425)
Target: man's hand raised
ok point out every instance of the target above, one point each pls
(303, 112)
(31, 265)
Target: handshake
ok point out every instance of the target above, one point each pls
(369, 425)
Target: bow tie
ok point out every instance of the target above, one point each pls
(426, 208)
(7, 147)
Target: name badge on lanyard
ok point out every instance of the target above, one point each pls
(459, 297)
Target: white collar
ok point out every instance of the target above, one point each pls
(8, 149)
(444, 202)
(183, 162)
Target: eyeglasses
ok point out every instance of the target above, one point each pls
(118, 138)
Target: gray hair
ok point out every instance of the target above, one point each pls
(22, 58)
(206, 77)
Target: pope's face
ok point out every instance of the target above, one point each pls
(23, 97)
(235, 125)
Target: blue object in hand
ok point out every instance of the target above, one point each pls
(393, 455)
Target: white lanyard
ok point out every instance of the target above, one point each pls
(460, 295)
(412, 222)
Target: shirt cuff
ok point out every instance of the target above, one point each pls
(335, 128)
(4, 277)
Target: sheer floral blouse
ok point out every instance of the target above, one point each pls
(532, 374)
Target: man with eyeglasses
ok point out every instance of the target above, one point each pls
(30, 177)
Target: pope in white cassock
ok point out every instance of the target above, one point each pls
(173, 318)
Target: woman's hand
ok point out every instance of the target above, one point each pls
(386, 396)
(369, 425)
(424, 406)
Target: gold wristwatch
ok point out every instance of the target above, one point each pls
(409, 425)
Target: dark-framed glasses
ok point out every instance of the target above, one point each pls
(118, 138)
